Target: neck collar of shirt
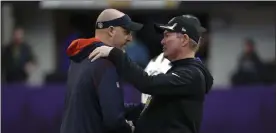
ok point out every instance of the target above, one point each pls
(182, 61)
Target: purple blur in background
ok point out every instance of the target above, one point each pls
(237, 110)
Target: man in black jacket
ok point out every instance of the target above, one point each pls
(94, 99)
(177, 96)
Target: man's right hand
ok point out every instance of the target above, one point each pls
(99, 52)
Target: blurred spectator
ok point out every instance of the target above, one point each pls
(151, 40)
(18, 58)
(138, 52)
(249, 66)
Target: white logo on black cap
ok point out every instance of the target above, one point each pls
(100, 25)
(169, 27)
(183, 29)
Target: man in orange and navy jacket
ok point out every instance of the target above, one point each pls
(94, 100)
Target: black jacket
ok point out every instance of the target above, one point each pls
(94, 100)
(177, 96)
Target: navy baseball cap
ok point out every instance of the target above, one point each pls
(123, 21)
(185, 24)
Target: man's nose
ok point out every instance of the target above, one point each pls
(163, 41)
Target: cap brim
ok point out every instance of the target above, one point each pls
(134, 26)
(160, 28)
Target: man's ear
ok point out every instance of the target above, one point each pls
(111, 31)
(185, 40)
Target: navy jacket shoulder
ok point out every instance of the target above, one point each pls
(94, 100)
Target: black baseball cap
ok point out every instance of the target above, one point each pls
(186, 24)
(123, 21)
(195, 21)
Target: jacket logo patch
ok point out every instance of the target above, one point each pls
(175, 75)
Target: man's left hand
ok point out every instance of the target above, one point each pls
(99, 52)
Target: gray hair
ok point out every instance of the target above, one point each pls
(192, 44)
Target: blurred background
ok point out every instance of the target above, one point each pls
(239, 50)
